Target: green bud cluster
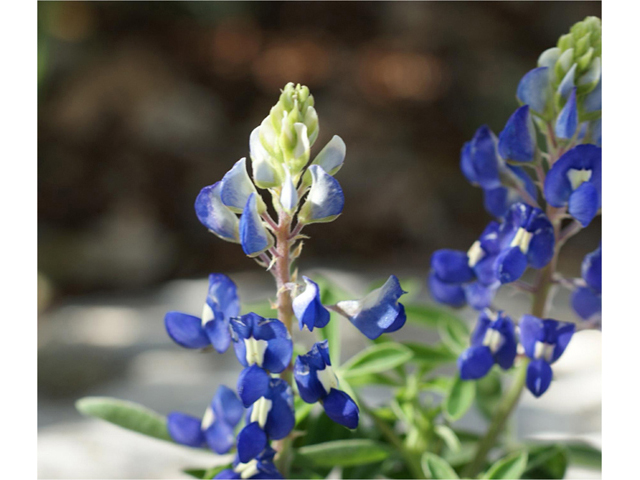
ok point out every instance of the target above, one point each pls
(582, 47)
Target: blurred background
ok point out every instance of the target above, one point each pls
(141, 104)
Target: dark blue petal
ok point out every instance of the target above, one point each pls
(251, 441)
(587, 303)
(466, 163)
(480, 296)
(214, 215)
(341, 408)
(518, 139)
(186, 330)
(485, 270)
(475, 362)
(496, 201)
(279, 350)
(541, 247)
(477, 336)
(227, 406)
(399, 322)
(557, 186)
(281, 418)
(218, 333)
(489, 240)
(309, 386)
(446, 293)
(309, 309)
(485, 160)
(592, 269)
(506, 354)
(563, 333)
(223, 295)
(185, 429)
(510, 265)
(539, 375)
(533, 89)
(220, 436)
(451, 266)
(254, 236)
(253, 383)
(584, 203)
(567, 122)
(531, 331)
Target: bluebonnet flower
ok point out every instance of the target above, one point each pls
(308, 308)
(325, 200)
(534, 90)
(377, 313)
(458, 278)
(526, 238)
(271, 417)
(214, 429)
(587, 300)
(567, 122)
(212, 328)
(576, 180)
(497, 201)
(317, 382)
(479, 159)
(260, 467)
(493, 341)
(517, 141)
(544, 341)
(215, 215)
(254, 236)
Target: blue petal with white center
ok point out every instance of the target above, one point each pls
(325, 200)
(534, 89)
(517, 142)
(544, 339)
(237, 187)
(582, 164)
(260, 467)
(253, 383)
(567, 122)
(377, 312)
(308, 308)
(215, 215)
(264, 342)
(254, 236)
(317, 382)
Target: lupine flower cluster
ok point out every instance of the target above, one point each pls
(560, 102)
(301, 193)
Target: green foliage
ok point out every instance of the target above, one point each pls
(547, 462)
(430, 356)
(205, 474)
(488, 393)
(511, 466)
(582, 454)
(375, 359)
(460, 398)
(343, 453)
(434, 466)
(129, 415)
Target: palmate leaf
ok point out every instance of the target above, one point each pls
(376, 358)
(343, 453)
(129, 415)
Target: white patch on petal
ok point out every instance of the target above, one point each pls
(260, 411)
(522, 240)
(263, 173)
(331, 157)
(578, 177)
(549, 57)
(493, 339)
(475, 254)
(237, 186)
(255, 351)
(302, 147)
(208, 418)
(543, 350)
(289, 195)
(327, 378)
(247, 470)
(207, 314)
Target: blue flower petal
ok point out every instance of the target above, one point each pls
(539, 375)
(254, 236)
(531, 331)
(308, 308)
(377, 311)
(587, 303)
(596, 132)
(506, 353)
(568, 82)
(227, 406)
(279, 350)
(309, 386)
(237, 187)
(253, 383)
(223, 295)
(563, 334)
(517, 142)
(325, 200)
(185, 429)
(496, 201)
(485, 160)
(534, 90)
(480, 296)
(567, 122)
(281, 418)
(186, 330)
(251, 441)
(466, 164)
(220, 436)
(341, 408)
(214, 215)
(592, 269)
(558, 187)
(451, 266)
(399, 322)
(510, 265)
(331, 157)
(449, 294)
(475, 362)
(584, 203)
(218, 332)
(593, 100)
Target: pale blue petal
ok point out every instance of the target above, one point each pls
(254, 236)
(325, 200)
(331, 157)
(214, 215)
(533, 89)
(568, 82)
(237, 187)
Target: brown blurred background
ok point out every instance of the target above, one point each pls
(142, 104)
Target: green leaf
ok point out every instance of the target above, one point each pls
(547, 462)
(129, 415)
(302, 409)
(488, 393)
(348, 389)
(428, 316)
(585, 455)
(195, 472)
(437, 384)
(434, 466)
(375, 379)
(205, 474)
(375, 359)
(460, 398)
(454, 333)
(343, 453)
(262, 308)
(430, 355)
(449, 436)
(511, 466)
(329, 295)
